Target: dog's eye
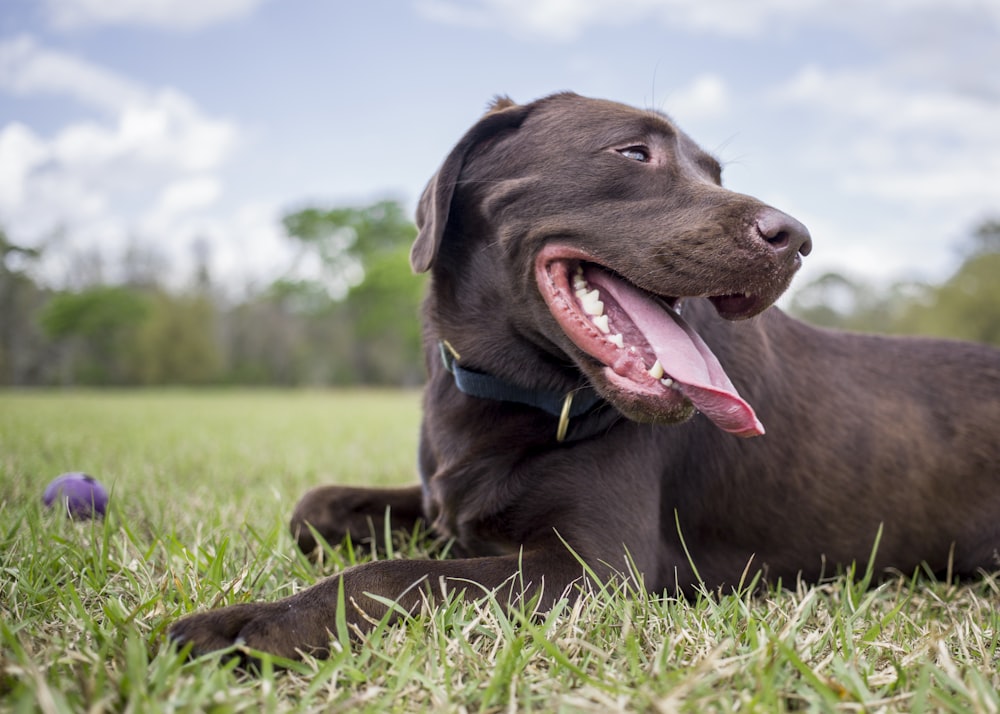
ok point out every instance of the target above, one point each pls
(636, 153)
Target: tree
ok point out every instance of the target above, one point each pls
(364, 284)
(986, 238)
(965, 306)
(836, 300)
(176, 342)
(21, 341)
(100, 324)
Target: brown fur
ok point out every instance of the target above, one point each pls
(863, 432)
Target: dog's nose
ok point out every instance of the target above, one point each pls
(783, 233)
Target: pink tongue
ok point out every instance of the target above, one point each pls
(687, 360)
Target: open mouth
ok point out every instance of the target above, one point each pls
(650, 355)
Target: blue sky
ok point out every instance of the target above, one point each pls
(160, 122)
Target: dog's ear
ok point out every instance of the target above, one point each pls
(435, 203)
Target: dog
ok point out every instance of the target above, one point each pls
(610, 395)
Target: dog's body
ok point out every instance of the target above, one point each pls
(540, 211)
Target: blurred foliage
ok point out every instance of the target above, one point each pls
(22, 341)
(177, 341)
(966, 306)
(118, 335)
(346, 311)
(100, 313)
(97, 327)
(362, 254)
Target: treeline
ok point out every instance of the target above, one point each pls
(965, 306)
(355, 319)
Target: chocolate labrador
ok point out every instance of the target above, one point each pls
(609, 393)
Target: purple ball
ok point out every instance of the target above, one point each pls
(81, 495)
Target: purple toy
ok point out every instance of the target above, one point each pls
(81, 495)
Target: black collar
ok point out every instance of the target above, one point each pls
(565, 406)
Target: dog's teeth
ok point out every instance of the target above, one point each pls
(601, 321)
(592, 304)
(667, 382)
(618, 341)
(579, 284)
(656, 371)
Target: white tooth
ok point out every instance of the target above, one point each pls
(579, 284)
(656, 371)
(579, 270)
(618, 341)
(580, 293)
(592, 304)
(601, 321)
(667, 382)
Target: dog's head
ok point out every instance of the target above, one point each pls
(592, 221)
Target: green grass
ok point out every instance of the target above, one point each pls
(202, 486)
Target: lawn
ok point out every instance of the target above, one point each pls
(202, 485)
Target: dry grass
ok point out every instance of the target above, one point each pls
(202, 487)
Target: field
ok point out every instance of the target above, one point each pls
(202, 486)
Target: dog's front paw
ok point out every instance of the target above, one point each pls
(336, 512)
(332, 512)
(267, 627)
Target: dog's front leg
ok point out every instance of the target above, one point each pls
(308, 621)
(335, 512)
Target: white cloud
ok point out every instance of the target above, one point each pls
(37, 194)
(147, 163)
(21, 151)
(229, 236)
(564, 20)
(909, 167)
(165, 14)
(732, 17)
(146, 145)
(178, 200)
(890, 22)
(190, 193)
(875, 97)
(707, 97)
(164, 130)
(27, 68)
(162, 127)
(903, 144)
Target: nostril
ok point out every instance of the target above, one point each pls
(778, 240)
(783, 233)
